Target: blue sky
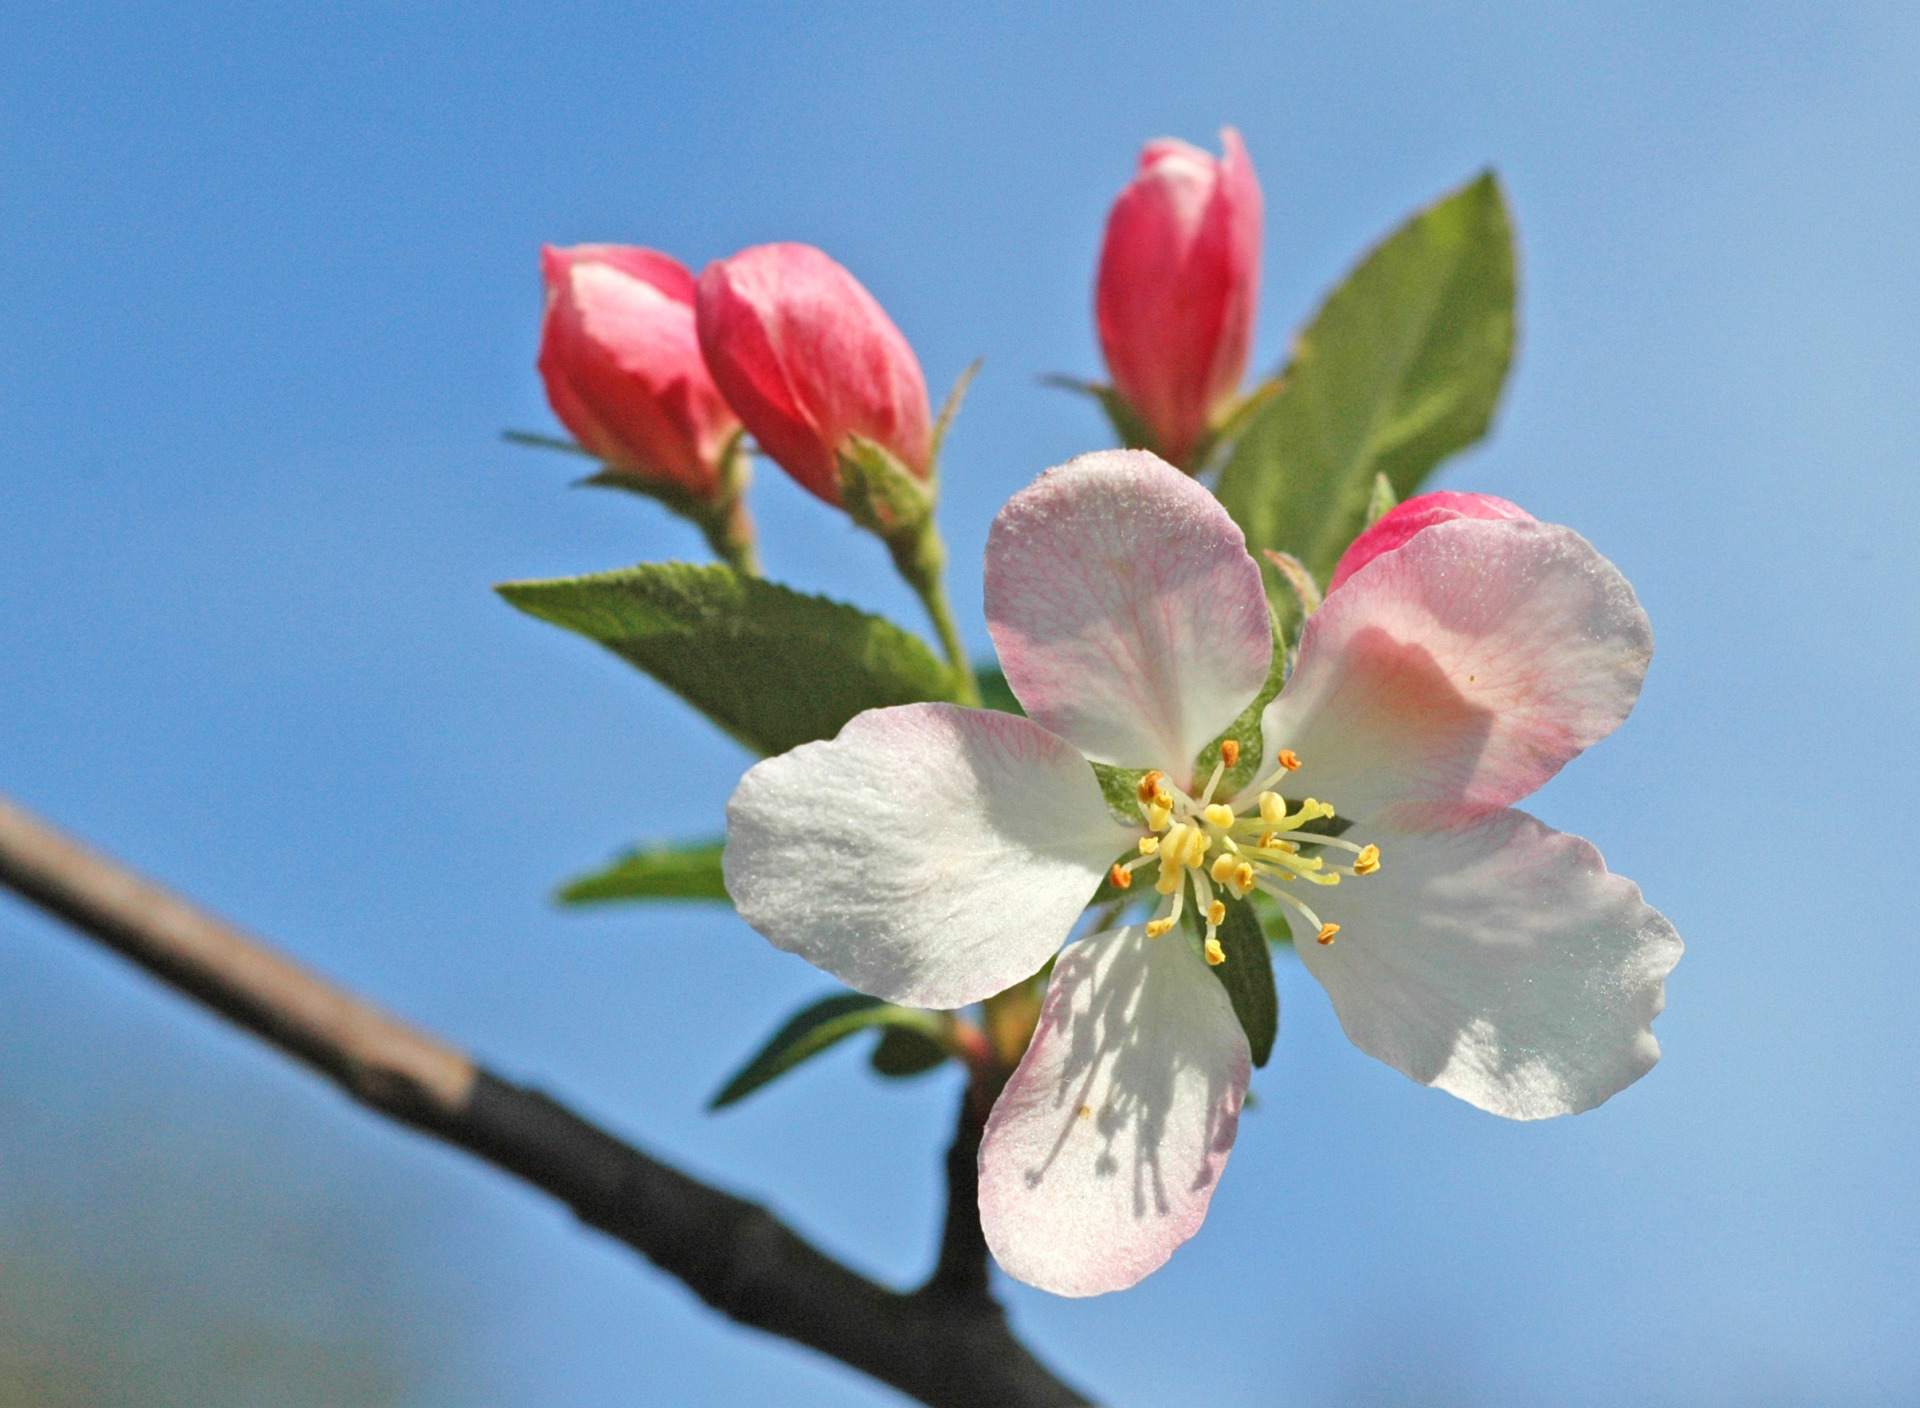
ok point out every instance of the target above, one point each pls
(273, 293)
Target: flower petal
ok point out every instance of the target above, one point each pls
(1497, 959)
(929, 855)
(1127, 614)
(1470, 664)
(1102, 1153)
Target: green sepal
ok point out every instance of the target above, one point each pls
(906, 1051)
(770, 666)
(880, 493)
(1127, 425)
(944, 421)
(1382, 501)
(1247, 975)
(818, 1027)
(1401, 367)
(666, 872)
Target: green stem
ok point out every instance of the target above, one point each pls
(725, 522)
(922, 559)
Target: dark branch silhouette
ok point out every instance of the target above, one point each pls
(946, 1343)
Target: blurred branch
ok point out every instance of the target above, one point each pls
(946, 1344)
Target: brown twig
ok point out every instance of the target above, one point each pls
(946, 1344)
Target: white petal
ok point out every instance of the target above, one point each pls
(1103, 1151)
(1126, 612)
(1495, 958)
(929, 855)
(1468, 665)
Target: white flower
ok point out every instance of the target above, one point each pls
(933, 855)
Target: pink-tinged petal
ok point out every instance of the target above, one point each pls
(1127, 614)
(929, 855)
(1470, 665)
(1103, 1151)
(1497, 959)
(1402, 521)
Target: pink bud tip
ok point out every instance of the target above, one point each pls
(1178, 285)
(807, 357)
(621, 360)
(1400, 523)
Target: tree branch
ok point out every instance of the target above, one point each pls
(946, 1344)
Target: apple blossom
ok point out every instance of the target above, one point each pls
(623, 369)
(1402, 521)
(1178, 284)
(809, 358)
(933, 855)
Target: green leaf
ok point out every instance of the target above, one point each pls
(905, 1051)
(995, 692)
(653, 873)
(1247, 975)
(1401, 367)
(815, 1029)
(772, 667)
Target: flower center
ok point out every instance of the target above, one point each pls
(1200, 843)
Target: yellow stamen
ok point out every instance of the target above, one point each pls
(1224, 866)
(1217, 913)
(1121, 877)
(1242, 880)
(1367, 861)
(1149, 844)
(1273, 808)
(1157, 927)
(1219, 814)
(1289, 760)
(1230, 753)
(1158, 816)
(1327, 931)
(1215, 954)
(1151, 786)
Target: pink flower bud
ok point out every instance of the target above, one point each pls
(1179, 279)
(1400, 523)
(622, 366)
(807, 358)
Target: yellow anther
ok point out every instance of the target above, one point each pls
(1151, 786)
(1122, 877)
(1158, 816)
(1215, 954)
(1217, 913)
(1157, 927)
(1273, 808)
(1268, 840)
(1327, 931)
(1149, 844)
(1242, 880)
(1230, 753)
(1086, 1112)
(1219, 814)
(1367, 861)
(1289, 760)
(1198, 844)
(1223, 866)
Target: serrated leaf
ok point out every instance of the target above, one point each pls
(770, 666)
(653, 873)
(1401, 367)
(817, 1028)
(1247, 976)
(903, 1051)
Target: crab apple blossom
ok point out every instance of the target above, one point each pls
(623, 370)
(933, 855)
(808, 358)
(1178, 284)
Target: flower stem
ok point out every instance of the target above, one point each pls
(921, 557)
